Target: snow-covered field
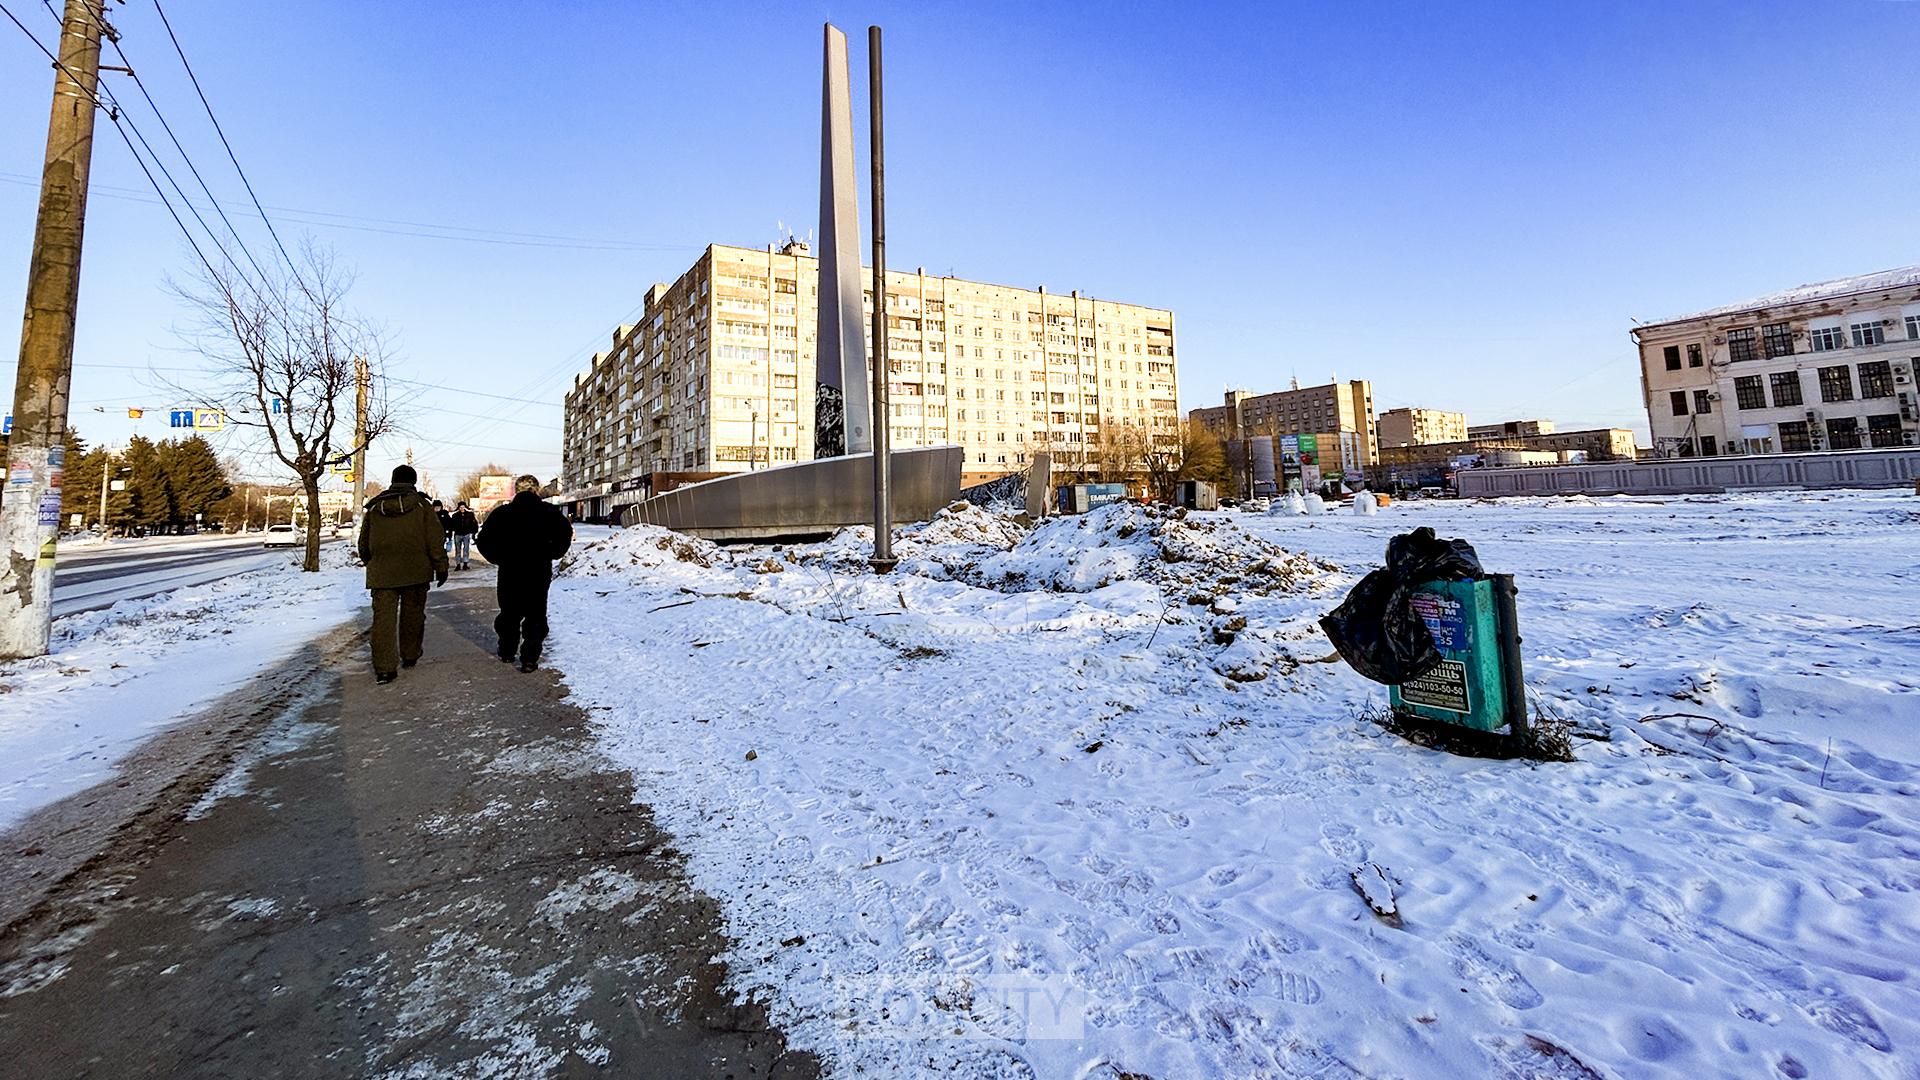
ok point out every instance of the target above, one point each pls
(119, 675)
(1021, 808)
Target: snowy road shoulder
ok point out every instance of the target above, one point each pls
(1095, 761)
(118, 675)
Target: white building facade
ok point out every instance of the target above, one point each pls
(1828, 366)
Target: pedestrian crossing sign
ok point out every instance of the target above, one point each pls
(209, 420)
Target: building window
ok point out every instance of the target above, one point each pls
(1843, 433)
(1868, 334)
(1749, 392)
(1884, 430)
(1913, 328)
(1836, 383)
(1708, 447)
(1672, 355)
(1826, 338)
(1679, 399)
(1693, 356)
(1876, 379)
(1740, 344)
(1794, 438)
(1786, 388)
(1777, 339)
(1702, 402)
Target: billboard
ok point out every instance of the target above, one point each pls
(494, 490)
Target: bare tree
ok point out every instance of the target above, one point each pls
(285, 352)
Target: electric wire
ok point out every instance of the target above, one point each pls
(248, 184)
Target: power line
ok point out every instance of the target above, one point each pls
(114, 40)
(114, 117)
(303, 216)
(162, 12)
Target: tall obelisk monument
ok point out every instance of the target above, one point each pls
(842, 419)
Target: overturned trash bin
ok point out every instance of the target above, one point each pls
(1441, 633)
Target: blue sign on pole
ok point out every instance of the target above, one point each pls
(180, 418)
(8, 430)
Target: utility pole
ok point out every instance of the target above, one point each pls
(359, 484)
(106, 476)
(36, 454)
(883, 559)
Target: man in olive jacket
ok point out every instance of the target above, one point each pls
(523, 538)
(404, 547)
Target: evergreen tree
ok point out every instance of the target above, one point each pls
(195, 479)
(80, 487)
(149, 502)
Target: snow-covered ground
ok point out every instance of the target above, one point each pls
(1022, 807)
(118, 675)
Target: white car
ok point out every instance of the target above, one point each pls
(283, 536)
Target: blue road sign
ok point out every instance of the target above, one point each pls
(180, 418)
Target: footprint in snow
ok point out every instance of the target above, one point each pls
(1496, 977)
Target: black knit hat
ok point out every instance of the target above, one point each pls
(404, 474)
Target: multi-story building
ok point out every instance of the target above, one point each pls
(1339, 409)
(1829, 366)
(1509, 428)
(1416, 426)
(718, 374)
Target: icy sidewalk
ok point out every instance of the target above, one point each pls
(1052, 770)
(434, 878)
(119, 675)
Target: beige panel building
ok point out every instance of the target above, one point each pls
(1828, 366)
(1417, 427)
(1336, 408)
(718, 374)
(1509, 428)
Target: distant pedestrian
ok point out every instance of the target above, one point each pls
(446, 525)
(523, 538)
(402, 543)
(464, 526)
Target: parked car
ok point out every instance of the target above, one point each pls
(283, 536)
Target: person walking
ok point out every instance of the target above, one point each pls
(464, 526)
(522, 538)
(446, 524)
(402, 544)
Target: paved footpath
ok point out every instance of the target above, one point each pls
(439, 877)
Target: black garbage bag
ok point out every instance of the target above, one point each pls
(1376, 629)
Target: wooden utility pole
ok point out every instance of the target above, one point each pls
(36, 454)
(883, 559)
(359, 484)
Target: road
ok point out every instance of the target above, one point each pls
(89, 578)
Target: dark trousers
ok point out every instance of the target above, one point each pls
(399, 624)
(522, 623)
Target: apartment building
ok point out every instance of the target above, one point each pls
(1417, 427)
(1827, 366)
(1510, 428)
(718, 375)
(1338, 408)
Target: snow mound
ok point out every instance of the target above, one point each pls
(1130, 541)
(643, 547)
(965, 523)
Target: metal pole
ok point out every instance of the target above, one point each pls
(106, 475)
(36, 453)
(359, 484)
(883, 559)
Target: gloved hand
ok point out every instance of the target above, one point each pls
(440, 577)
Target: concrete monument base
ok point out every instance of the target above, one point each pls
(805, 500)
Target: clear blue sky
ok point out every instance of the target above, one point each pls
(1466, 204)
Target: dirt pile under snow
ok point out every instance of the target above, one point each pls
(1128, 541)
(640, 546)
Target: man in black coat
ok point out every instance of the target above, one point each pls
(523, 538)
